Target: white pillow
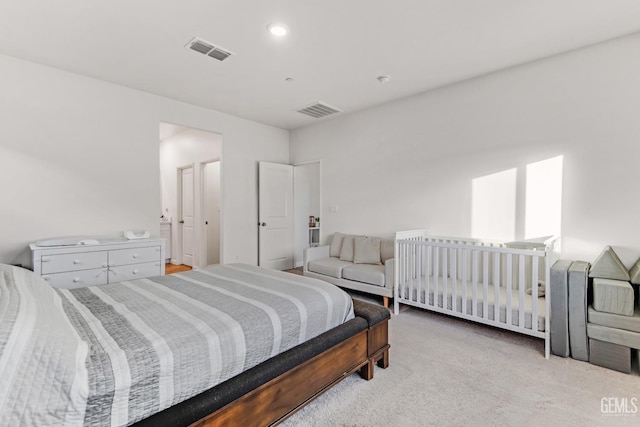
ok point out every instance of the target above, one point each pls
(346, 251)
(366, 250)
(336, 244)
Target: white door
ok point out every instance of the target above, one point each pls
(186, 215)
(275, 216)
(211, 214)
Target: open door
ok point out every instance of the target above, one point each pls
(275, 210)
(186, 214)
(211, 212)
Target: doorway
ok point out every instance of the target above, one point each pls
(185, 214)
(210, 196)
(289, 198)
(307, 204)
(189, 161)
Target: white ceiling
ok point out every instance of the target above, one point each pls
(335, 49)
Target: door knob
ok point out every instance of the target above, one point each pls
(263, 224)
(182, 221)
(206, 223)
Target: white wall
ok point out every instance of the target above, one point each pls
(410, 163)
(190, 147)
(81, 156)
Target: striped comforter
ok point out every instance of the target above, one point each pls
(115, 354)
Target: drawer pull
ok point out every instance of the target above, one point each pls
(135, 271)
(135, 255)
(45, 259)
(76, 279)
(76, 261)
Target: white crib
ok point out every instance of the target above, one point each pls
(477, 280)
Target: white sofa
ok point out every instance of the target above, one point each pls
(361, 263)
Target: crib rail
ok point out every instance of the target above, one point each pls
(488, 282)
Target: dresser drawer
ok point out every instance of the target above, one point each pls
(77, 279)
(73, 261)
(134, 255)
(134, 271)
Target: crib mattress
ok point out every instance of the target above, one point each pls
(411, 295)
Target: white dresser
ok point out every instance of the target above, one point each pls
(111, 260)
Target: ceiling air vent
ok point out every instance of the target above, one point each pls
(318, 110)
(209, 49)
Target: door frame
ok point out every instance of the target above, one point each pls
(201, 243)
(295, 237)
(179, 229)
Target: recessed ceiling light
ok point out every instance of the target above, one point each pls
(277, 30)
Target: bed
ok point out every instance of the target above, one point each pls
(232, 344)
(505, 285)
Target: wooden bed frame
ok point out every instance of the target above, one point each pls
(270, 392)
(279, 398)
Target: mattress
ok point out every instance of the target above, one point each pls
(124, 351)
(411, 294)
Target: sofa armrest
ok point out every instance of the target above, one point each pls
(313, 253)
(389, 272)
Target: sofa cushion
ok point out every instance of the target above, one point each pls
(617, 321)
(613, 335)
(346, 251)
(613, 296)
(634, 273)
(387, 249)
(366, 250)
(336, 244)
(608, 266)
(328, 266)
(366, 273)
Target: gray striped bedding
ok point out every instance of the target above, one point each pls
(115, 354)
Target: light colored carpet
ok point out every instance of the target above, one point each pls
(448, 372)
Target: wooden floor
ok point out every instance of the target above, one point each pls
(297, 270)
(172, 268)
